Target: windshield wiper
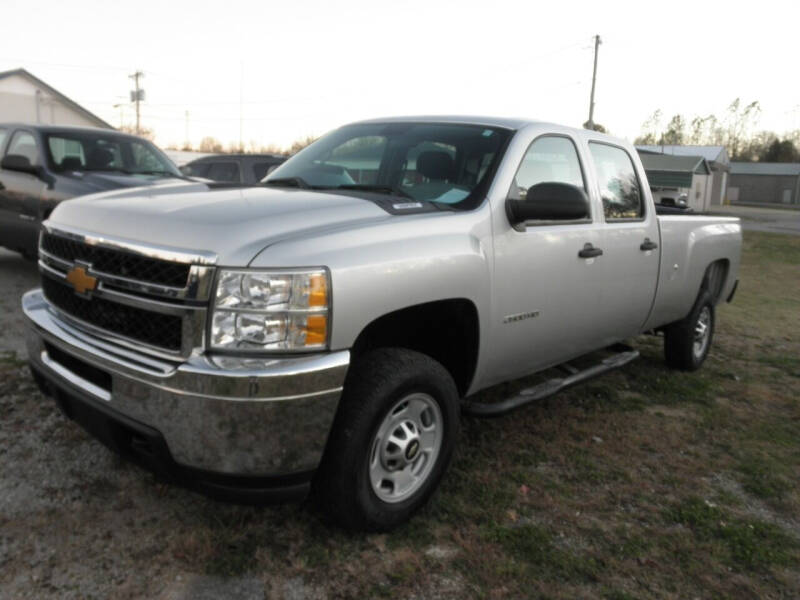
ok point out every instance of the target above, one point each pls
(380, 189)
(154, 172)
(297, 182)
(109, 169)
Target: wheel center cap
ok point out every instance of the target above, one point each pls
(412, 449)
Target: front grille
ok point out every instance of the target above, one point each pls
(117, 262)
(145, 326)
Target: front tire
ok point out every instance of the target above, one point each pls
(687, 342)
(391, 442)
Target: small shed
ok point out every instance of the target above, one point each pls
(671, 176)
(716, 157)
(765, 183)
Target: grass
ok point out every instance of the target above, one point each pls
(741, 543)
(646, 483)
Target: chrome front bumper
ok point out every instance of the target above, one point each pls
(225, 415)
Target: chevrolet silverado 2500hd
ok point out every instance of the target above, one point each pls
(324, 330)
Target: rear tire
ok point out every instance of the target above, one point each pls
(687, 342)
(391, 441)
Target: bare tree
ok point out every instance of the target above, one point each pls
(210, 144)
(144, 132)
(739, 121)
(651, 129)
(298, 145)
(675, 133)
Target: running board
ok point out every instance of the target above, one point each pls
(543, 390)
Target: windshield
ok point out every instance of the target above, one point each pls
(84, 151)
(434, 162)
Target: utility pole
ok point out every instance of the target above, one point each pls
(241, 96)
(590, 123)
(186, 137)
(137, 95)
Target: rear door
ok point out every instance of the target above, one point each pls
(630, 238)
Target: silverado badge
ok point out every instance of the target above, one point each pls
(81, 280)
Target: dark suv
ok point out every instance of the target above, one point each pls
(42, 165)
(233, 168)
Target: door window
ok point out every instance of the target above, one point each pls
(24, 144)
(224, 171)
(199, 169)
(3, 135)
(549, 159)
(260, 169)
(619, 185)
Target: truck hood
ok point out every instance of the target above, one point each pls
(234, 223)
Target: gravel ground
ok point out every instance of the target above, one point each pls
(17, 276)
(75, 520)
(767, 219)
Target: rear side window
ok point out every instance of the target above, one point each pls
(3, 136)
(23, 144)
(260, 169)
(619, 185)
(548, 159)
(224, 171)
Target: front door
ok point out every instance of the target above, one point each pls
(544, 294)
(19, 197)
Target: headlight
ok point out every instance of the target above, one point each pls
(271, 310)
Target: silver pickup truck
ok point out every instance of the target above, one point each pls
(324, 331)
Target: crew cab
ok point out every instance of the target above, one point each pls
(325, 331)
(42, 165)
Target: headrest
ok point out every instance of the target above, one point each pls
(435, 165)
(100, 157)
(71, 163)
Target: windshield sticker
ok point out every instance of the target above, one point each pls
(452, 196)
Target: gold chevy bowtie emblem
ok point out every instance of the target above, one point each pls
(81, 280)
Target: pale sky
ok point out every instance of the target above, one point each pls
(304, 67)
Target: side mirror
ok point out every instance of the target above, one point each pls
(549, 201)
(17, 162)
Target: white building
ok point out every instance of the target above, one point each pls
(25, 98)
(671, 176)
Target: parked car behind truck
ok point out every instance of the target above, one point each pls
(326, 330)
(233, 168)
(42, 165)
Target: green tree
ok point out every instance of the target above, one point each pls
(780, 151)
